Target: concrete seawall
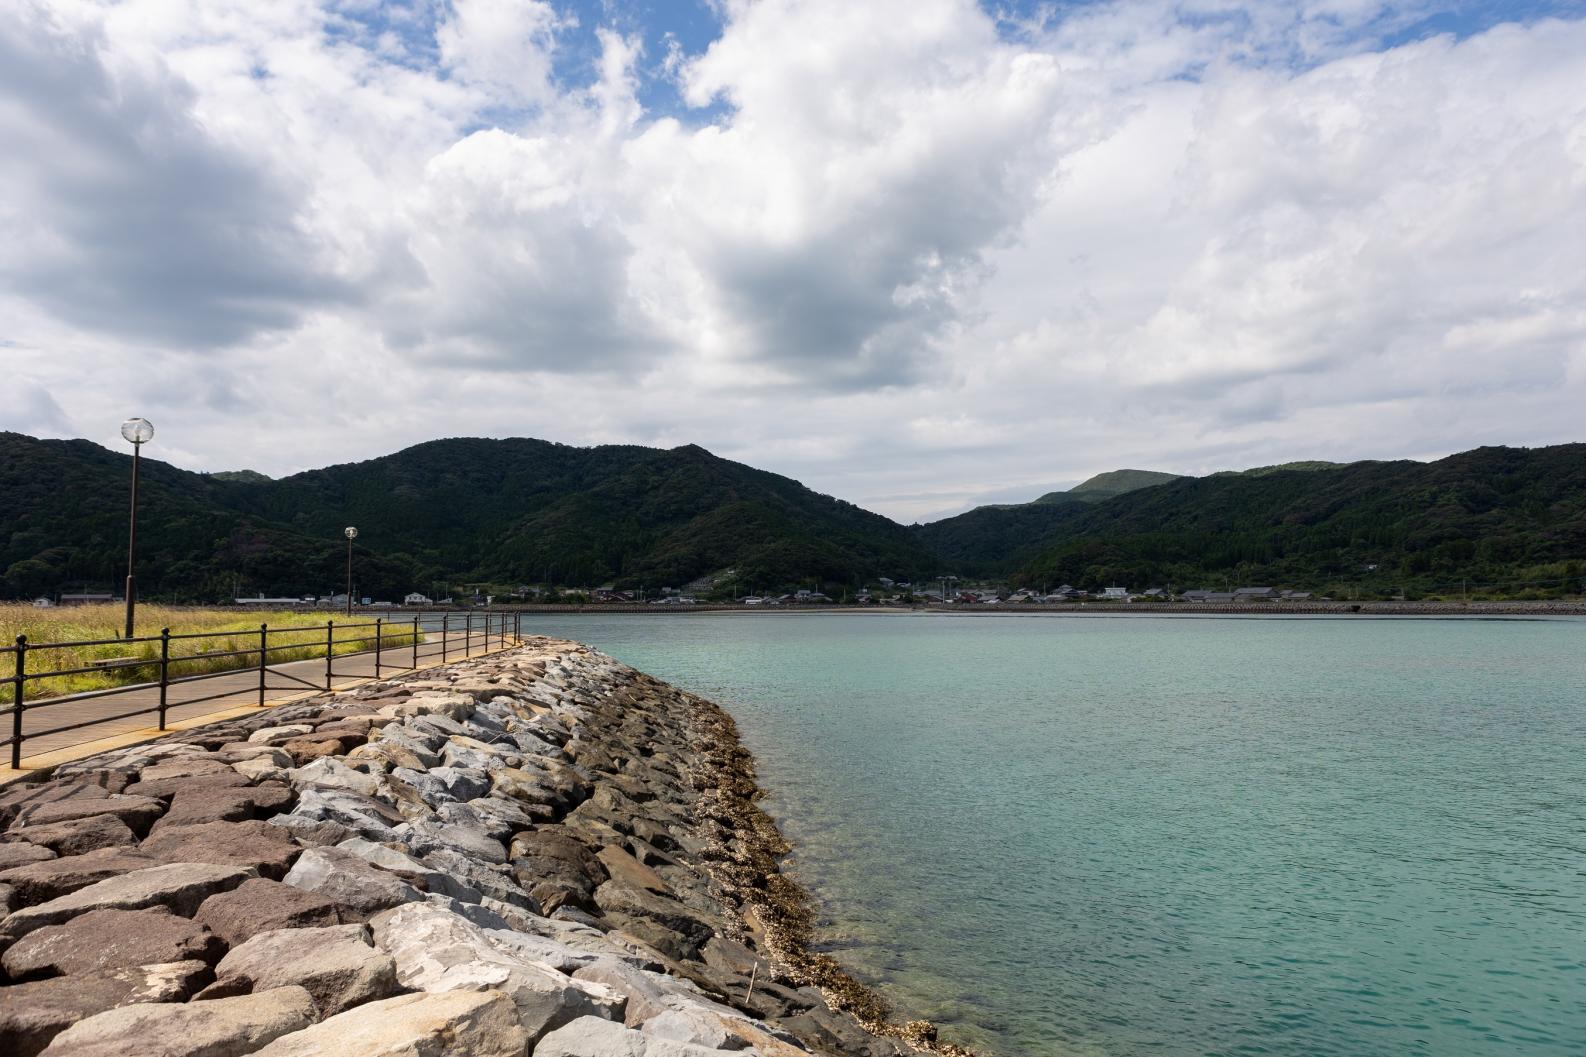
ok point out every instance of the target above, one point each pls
(542, 852)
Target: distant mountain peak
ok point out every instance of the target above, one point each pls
(241, 476)
(1117, 482)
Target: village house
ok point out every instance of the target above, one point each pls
(414, 598)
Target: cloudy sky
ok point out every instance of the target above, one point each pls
(916, 253)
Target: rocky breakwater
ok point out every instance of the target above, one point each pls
(542, 852)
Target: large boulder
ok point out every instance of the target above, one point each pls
(350, 880)
(593, 1037)
(224, 776)
(48, 879)
(21, 853)
(138, 812)
(111, 939)
(227, 1027)
(436, 951)
(192, 805)
(268, 849)
(179, 886)
(338, 965)
(421, 1025)
(411, 870)
(259, 905)
(556, 868)
(33, 1014)
(77, 836)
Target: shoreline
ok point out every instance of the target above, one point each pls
(1424, 610)
(565, 829)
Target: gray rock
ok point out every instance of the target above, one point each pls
(430, 834)
(431, 789)
(275, 735)
(462, 783)
(34, 1014)
(695, 1027)
(411, 870)
(592, 1037)
(437, 951)
(111, 939)
(331, 773)
(494, 882)
(421, 1025)
(338, 965)
(179, 886)
(350, 880)
(227, 1027)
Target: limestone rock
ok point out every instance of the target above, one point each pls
(275, 735)
(111, 939)
(438, 951)
(411, 870)
(34, 1014)
(226, 1027)
(421, 1025)
(266, 848)
(592, 1037)
(261, 769)
(179, 886)
(258, 905)
(338, 965)
(350, 880)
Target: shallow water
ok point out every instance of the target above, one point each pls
(1174, 836)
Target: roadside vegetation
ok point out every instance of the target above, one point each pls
(231, 631)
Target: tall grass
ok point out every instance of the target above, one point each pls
(230, 630)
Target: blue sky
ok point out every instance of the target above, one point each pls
(690, 26)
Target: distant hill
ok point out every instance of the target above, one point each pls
(1488, 515)
(991, 539)
(514, 511)
(463, 510)
(243, 476)
(1282, 467)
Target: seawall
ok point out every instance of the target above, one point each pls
(543, 852)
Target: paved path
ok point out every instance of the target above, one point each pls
(205, 700)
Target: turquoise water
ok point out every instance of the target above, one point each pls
(1125, 836)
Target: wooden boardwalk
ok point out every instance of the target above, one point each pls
(207, 700)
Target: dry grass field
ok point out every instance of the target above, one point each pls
(226, 630)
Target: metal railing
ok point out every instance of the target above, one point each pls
(394, 644)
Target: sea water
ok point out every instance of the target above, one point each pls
(1135, 835)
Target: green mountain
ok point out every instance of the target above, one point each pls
(989, 540)
(1492, 515)
(462, 510)
(529, 511)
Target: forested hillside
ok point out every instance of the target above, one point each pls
(447, 511)
(1492, 515)
(529, 511)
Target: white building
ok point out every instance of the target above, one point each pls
(415, 599)
(1121, 594)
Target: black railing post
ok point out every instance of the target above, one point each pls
(468, 634)
(446, 629)
(330, 644)
(16, 703)
(165, 670)
(378, 629)
(264, 649)
(415, 643)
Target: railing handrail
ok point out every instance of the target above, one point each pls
(165, 660)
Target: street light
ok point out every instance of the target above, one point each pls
(351, 534)
(137, 431)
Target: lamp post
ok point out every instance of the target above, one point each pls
(351, 534)
(138, 431)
